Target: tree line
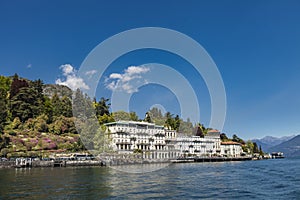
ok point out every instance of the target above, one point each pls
(25, 109)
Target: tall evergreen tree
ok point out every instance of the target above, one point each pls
(38, 85)
(83, 107)
(56, 105)
(102, 107)
(176, 122)
(169, 120)
(148, 118)
(48, 109)
(199, 131)
(24, 104)
(5, 84)
(66, 106)
(16, 85)
(3, 108)
(255, 148)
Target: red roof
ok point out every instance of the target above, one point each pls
(230, 143)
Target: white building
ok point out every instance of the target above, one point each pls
(154, 141)
(209, 145)
(231, 149)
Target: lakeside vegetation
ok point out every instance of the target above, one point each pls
(37, 119)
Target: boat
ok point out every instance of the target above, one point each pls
(277, 155)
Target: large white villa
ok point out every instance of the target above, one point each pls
(157, 142)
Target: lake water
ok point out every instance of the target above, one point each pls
(266, 179)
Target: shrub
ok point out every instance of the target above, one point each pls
(4, 152)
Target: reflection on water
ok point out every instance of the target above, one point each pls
(252, 179)
(140, 168)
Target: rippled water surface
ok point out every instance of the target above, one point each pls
(267, 179)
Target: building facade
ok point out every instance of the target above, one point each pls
(157, 142)
(154, 141)
(209, 145)
(231, 149)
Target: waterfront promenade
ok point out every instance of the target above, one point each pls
(111, 160)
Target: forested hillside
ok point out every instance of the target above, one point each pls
(38, 119)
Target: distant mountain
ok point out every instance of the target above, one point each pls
(269, 141)
(290, 148)
(265, 147)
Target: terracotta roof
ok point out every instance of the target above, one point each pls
(230, 143)
(213, 131)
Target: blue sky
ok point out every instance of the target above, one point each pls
(255, 45)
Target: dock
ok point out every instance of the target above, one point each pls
(210, 159)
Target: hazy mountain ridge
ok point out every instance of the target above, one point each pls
(290, 148)
(268, 142)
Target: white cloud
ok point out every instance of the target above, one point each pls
(115, 76)
(136, 70)
(29, 66)
(125, 82)
(67, 69)
(71, 80)
(91, 73)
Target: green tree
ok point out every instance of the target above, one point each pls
(48, 109)
(199, 131)
(66, 106)
(56, 105)
(169, 120)
(255, 148)
(3, 108)
(102, 107)
(186, 127)
(24, 104)
(148, 118)
(40, 123)
(133, 116)
(121, 115)
(87, 130)
(156, 116)
(235, 138)
(223, 137)
(16, 85)
(173, 123)
(176, 123)
(38, 86)
(248, 147)
(105, 119)
(5, 83)
(62, 125)
(155, 113)
(83, 107)
(4, 141)
(102, 141)
(261, 151)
